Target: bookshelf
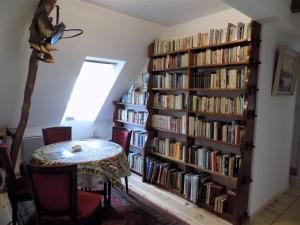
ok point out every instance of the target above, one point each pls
(202, 102)
(131, 112)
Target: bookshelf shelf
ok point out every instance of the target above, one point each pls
(220, 65)
(171, 110)
(227, 87)
(219, 115)
(177, 90)
(170, 53)
(171, 69)
(134, 124)
(214, 141)
(217, 90)
(233, 180)
(133, 105)
(168, 157)
(166, 131)
(128, 104)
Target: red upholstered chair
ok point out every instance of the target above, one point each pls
(57, 199)
(122, 136)
(56, 134)
(17, 188)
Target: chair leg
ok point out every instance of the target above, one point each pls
(126, 183)
(108, 193)
(105, 194)
(14, 213)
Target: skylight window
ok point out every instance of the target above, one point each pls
(96, 78)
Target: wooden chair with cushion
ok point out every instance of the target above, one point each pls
(122, 136)
(57, 199)
(17, 188)
(53, 135)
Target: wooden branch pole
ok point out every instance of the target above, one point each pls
(31, 77)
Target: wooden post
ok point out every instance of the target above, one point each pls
(31, 76)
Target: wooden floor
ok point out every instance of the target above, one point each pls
(284, 210)
(194, 215)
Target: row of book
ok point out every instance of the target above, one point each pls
(164, 174)
(170, 148)
(171, 81)
(139, 138)
(136, 162)
(221, 56)
(131, 116)
(175, 124)
(135, 97)
(214, 160)
(219, 79)
(232, 32)
(176, 102)
(171, 61)
(196, 187)
(222, 105)
(229, 132)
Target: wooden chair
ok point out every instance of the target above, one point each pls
(57, 199)
(53, 135)
(17, 188)
(122, 136)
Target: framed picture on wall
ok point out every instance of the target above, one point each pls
(145, 78)
(285, 72)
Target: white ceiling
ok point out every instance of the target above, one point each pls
(164, 12)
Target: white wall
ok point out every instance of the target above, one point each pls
(274, 126)
(107, 34)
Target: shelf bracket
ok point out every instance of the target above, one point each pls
(251, 114)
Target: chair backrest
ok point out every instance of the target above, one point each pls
(54, 191)
(122, 136)
(56, 134)
(10, 177)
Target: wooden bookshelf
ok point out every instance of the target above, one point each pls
(135, 127)
(245, 86)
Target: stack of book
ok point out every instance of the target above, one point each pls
(170, 81)
(175, 124)
(135, 97)
(164, 174)
(171, 61)
(139, 138)
(131, 116)
(223, 105)
(230, 132)
(170, 148)
(232, 32)
(221, 56)
(177, 102)
(219, 79)
(136, 162)
(207, 158)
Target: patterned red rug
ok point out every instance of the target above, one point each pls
(125, 209)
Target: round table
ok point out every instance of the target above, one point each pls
(98, 158)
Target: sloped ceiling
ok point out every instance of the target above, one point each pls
(164, 12)
(107, 34)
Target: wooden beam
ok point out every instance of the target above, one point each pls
(18, 136)
(295, 6)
